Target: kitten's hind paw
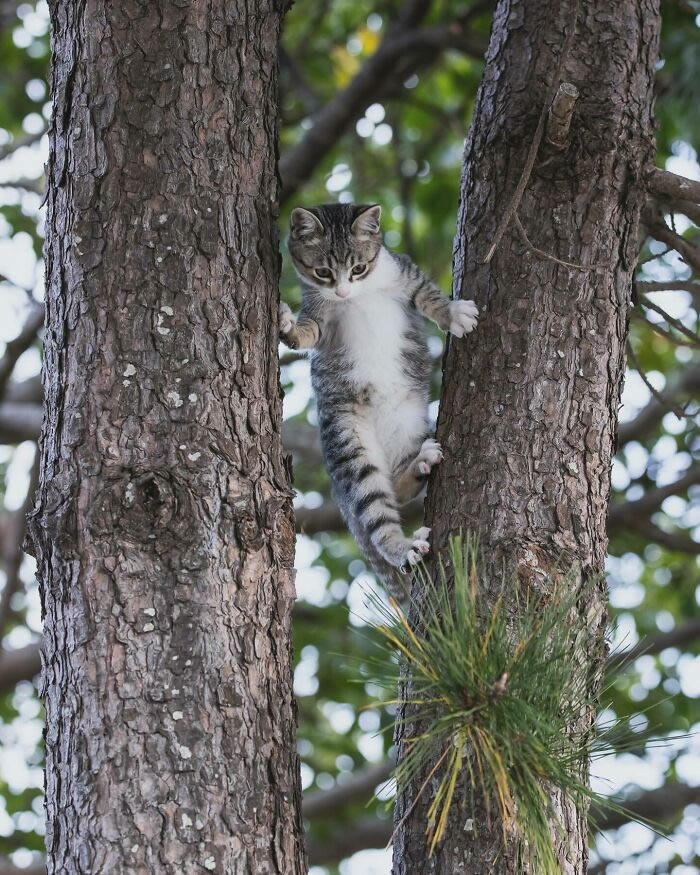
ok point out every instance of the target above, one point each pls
(419, 546)
(430, 455)
(286, 318)
(463, 317)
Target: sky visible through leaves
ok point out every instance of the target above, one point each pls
(404, 151)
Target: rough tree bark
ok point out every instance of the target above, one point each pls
(163, 528)
(529, 403)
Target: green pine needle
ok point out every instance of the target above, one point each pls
(501, 691)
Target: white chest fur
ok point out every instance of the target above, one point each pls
(372, 325)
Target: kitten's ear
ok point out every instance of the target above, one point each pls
(304, 224)
(366, 223)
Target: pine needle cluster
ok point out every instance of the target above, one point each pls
(502, 699)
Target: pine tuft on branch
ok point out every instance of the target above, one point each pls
(501, 699)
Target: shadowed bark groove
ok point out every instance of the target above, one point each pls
(529, 402)
(163, 528)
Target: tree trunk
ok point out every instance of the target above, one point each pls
(163, 528)
(529, 402)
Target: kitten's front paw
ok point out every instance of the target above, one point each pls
(430, 455)
(463, 317)
(286, 318)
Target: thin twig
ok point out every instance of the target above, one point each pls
(657, 329)
(680, 413)
(653, 257)
(687, 208)
(677, 324)
(536, 140)
(522, 185)
(689, 252)
(536, 251)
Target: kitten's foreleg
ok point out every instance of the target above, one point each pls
(301, 333)
(410, 479)
(457, 317)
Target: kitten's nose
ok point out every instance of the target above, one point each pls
(342, 293)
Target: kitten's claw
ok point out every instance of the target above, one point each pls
(463, 317)
(430, 455)
(421, 534)
(287, 318)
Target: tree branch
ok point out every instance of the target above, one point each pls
(36, 186)
(19, 422)
(403, 43)
(20, 344)
(629, 513)
(367, 833)
(324, 803)
(303, 442)
(686, 382)
(671, 185)
(330, 122)
(560, 114)
(19, 665)
(680, 413)
(659, 231)
(676, 323)
(686, 634)
(658, 805)
(302, 86)
(688, 208)
(6, 868)
(667, 335)
(25, 392)
(327, 518)
(15, 554)
(8, 14)
(676, 286)
(27, 140)
(670, 540)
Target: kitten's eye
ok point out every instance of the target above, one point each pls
(323, 273)
(358, 269)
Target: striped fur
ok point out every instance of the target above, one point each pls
(362, 317)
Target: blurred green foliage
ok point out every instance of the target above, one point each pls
(405, 154)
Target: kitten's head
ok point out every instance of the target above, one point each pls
(334, 247)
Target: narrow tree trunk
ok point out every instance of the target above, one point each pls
(529, 403)
(163, 528)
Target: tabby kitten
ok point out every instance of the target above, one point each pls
(362, 318)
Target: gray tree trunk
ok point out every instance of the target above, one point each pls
(163, 529)
(529, 402)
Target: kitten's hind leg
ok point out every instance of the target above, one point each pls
(363, 488)
(410, 479)
(398, 550)
(421, 545)
(370, 508)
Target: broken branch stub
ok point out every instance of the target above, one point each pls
(560, 114)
